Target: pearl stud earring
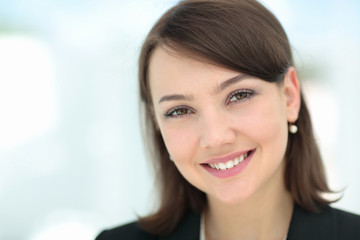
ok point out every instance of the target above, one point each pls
(293, 128)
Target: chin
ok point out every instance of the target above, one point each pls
(234, 197)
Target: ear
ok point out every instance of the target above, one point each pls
(291, 89)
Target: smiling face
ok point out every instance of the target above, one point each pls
(226, 131)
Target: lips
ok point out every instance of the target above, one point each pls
(230, 165)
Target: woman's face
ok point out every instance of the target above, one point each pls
(226, 131)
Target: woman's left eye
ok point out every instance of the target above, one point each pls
(240, 95)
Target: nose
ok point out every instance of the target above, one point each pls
(216, 130)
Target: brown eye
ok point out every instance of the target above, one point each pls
(239, 96)
(180, 111)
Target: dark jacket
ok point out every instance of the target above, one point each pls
(330, 224)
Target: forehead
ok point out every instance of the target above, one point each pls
(166, 61)
(170, 71)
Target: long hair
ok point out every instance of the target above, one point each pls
(244, 36)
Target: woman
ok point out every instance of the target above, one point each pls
(229, 131)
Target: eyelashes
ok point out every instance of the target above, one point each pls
(237, 96)
(177, 112)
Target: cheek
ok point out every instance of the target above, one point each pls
(268, 126)
(274, 139)
(179, 142)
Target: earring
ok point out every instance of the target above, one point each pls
(170, 157)
(293, 128)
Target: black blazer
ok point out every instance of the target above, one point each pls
(330, 224)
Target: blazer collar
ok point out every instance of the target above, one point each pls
(303, 225)
(189, 229)
(312, 226)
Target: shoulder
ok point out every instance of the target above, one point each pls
(130, 231)
(346, 222)
(329, 224)
(188, 228)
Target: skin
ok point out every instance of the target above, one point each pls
(200, 119)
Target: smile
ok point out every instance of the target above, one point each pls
(231, 163)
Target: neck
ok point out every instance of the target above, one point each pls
(266, 215)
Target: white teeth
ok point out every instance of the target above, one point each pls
(229, 164)
(222, 166)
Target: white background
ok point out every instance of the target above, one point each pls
(71, 157)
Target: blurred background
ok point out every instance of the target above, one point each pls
(71, 156)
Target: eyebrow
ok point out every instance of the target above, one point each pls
(218, 89)
(230, 82)
(173, 97)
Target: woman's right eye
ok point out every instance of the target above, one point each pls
(177, 112)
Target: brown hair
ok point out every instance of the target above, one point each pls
(241, 35)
